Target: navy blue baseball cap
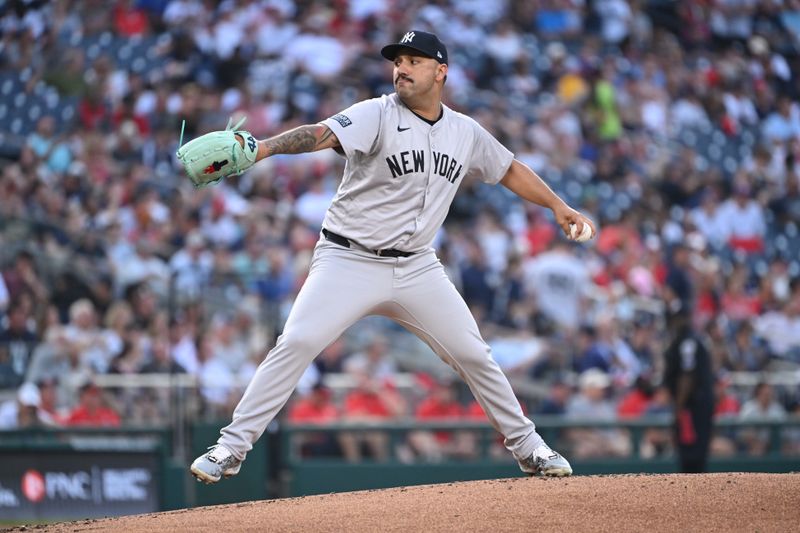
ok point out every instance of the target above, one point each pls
(421, 41)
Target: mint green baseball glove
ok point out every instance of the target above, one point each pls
(217, 155)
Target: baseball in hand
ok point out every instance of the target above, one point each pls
(585, 235)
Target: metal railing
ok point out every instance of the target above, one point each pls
(550, 427)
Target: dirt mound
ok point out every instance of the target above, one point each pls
(711, 502)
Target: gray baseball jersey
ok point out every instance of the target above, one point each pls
(402, 173)
(400, 178)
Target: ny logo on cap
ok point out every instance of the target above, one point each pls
(407, 38)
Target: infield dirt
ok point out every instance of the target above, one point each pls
(638, 502)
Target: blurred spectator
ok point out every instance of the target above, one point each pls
(637, 401)
(657, 442)
(23, 277)
(780, 328)
(726, 407)
(616, 19)
(331, 360)
(161, 361)
(783, 124)
(217, 381)
(143, 267)
(50, 147)
(440, 405)
(560, 282)
(476, 284)
(369, 401)
(556, 401)
(311, 206)
(92, 409)
(82, 339)
(679, 280)
(191, 267)
(592, 404)
(23, 411)
(762, 407)
(746, 353)
(374, 360)
(50, 411)
(708, 219)
(316, 408)
(744, 218)
(18, 339)
(740, 301)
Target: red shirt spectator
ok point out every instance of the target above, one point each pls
(727, 404)
(636, 401)
(92, 411)
(129, 20)
(366, 404)
(440, 405)
(632, 405)
(316, 408)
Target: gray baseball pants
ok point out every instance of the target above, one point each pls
(346, 284)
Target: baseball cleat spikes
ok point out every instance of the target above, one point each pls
(216, 463)
(545, 462)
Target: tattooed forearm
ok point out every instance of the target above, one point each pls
(309, 138)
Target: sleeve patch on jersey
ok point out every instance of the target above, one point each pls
(688, 349)
(344, 120)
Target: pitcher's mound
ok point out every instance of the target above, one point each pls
(708, 502)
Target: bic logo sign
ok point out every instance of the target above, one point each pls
(33, 486)
(407, 38)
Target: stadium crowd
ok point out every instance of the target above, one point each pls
(675, 125)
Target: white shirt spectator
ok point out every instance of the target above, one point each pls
(361, 9)
(732, 18)
(513, 353)
(782, 126)
(217, 381)
(740, 108)
(744, 221)
(321, 55)
(687, 112)
(273, 38)
(752, 409)
(179, 12)
(710, 222)
(504, 46)
(312, 205)
(143, 266)
(654, 115)
(192, 266)
(184, 352)
(617, 18)
(227, 35)
(222, 230)
(559, 280)
(781, 331)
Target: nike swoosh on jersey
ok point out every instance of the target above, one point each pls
(402, 129)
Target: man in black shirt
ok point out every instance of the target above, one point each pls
(688, 376)
(17, 342)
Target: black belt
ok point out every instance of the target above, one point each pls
(344, 241)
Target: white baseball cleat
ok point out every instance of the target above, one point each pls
(216, 463)
(546, 462)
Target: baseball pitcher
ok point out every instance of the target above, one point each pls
(406, 154)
